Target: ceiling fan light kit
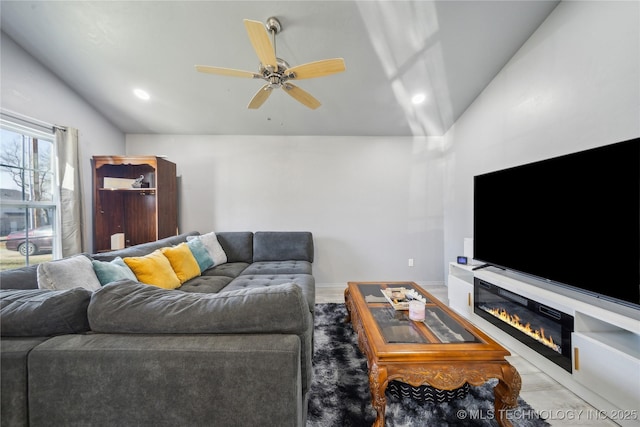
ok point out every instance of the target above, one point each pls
(276, 71)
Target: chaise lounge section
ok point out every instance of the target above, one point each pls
(232, 346)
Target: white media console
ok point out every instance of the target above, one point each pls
(605, 342)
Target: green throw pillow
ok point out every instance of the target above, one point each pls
(108, 272)
(200, 253)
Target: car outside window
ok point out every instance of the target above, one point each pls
(27, 197)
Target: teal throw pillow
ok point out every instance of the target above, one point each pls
(200, 253)
(108, 272)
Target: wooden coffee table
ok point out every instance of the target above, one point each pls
(445, 351)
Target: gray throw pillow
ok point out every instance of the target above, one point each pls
(43, 312)
(68, 273)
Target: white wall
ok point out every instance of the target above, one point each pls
(28, 88)
(371, 203)
(574, 85)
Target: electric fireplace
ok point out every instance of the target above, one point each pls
(542, 328)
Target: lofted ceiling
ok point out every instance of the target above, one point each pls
(447, 50)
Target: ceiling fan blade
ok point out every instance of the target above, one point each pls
(317, 69)
(261, 43)
(260, 96)
(301, 96)
(227, 71)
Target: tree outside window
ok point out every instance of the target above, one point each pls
(27, 201)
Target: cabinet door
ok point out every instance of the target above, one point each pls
(141, 218)
(109, 218)
(460, 296)
(613, 374)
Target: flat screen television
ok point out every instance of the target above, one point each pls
(572, 220)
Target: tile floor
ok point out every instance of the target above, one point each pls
(556, 403)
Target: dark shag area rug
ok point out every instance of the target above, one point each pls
(340, 396)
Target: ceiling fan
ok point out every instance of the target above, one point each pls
(276, 71)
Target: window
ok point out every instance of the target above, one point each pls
(28, 201)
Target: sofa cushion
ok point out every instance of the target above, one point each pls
(279, 267)
(200, 253)
(230, 269)
(210, 241)
(20, 278)
(306, 282)
(68, 273)
(238, 245)
(282, 245)
(205, 284)
(42, 312)
(166, 381)
(182, 261)
(154, 269)
(130, 307)
(112, 271)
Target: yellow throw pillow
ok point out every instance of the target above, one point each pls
(182, 261)
(154, 269)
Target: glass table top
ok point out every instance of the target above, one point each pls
(438, 326)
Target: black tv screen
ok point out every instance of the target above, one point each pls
(571, 220)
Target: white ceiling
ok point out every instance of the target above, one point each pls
(448, 50)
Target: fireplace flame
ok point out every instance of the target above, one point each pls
(514, 320)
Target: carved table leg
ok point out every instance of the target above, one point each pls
(378, 385)
(506, 393)
(347, 299)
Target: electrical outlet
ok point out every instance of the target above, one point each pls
(410, 262)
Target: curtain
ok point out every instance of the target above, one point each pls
(70, 195)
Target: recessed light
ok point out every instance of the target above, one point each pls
(418, 98)
(141, 94)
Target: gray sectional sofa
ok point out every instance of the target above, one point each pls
(232, 346)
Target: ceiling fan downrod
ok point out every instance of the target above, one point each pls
(274, 27)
